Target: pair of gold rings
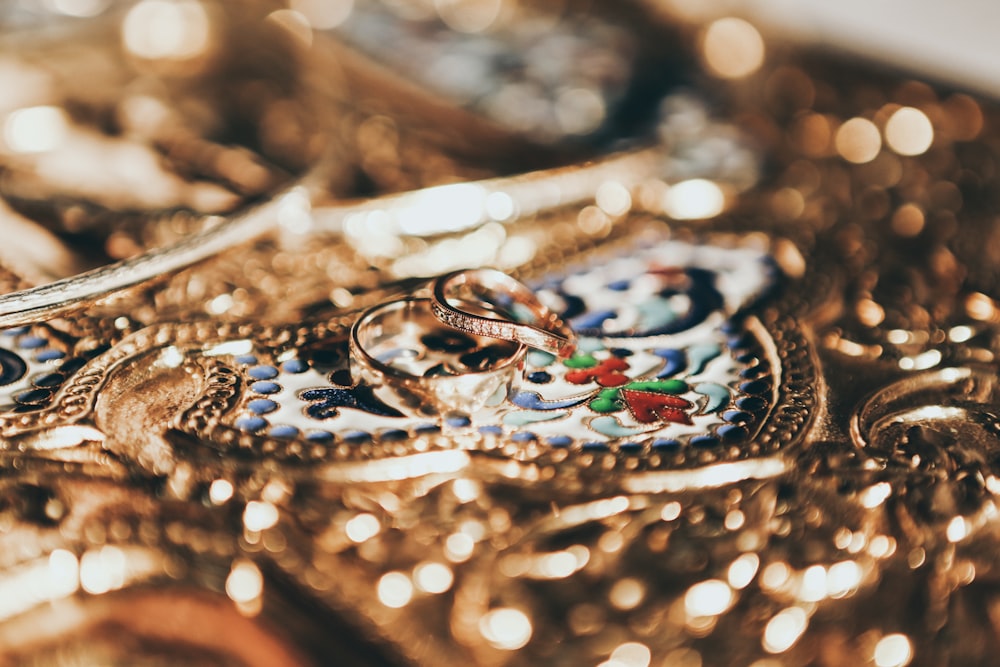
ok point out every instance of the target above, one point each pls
(458, 350)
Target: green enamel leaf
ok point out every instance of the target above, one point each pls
(659, 386)
(607, 400)
(581, 361)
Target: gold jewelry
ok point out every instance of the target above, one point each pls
(780, 418)
(291, 213)
(530, 322)
(416, 365)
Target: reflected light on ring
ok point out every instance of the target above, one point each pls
(784, 630)
(631, 654)
(843, 578)
(743, 570)
(898, 336)
(500, 206)
(875, 495)
(893, 650)
(445, 208)
(708, 598)
(458, 547)
(171, 357)
(733, 48)
(506, 628)
(434, 578)
(295, 211)
(695, 199)
(259, 516)
(980, 306)
(465, 490)
(922, 361)
(813, 587)
(869, 313)
(958, 529)
(734, 520)
(613, 198)
(158, 29)
(220, 491)
(102, 570)
(882, 546)
(63, 574)
(775, 576)
(909, 131)
(670, 511)
(35, 129)
(627, 593)
(593, 220)
(597, 510)
(21, 588)
(234, 347)
(362, 528)
(993, 484)
(557, 565)
(244, 583)
(395, 590)
(960, 334)
(220, 304)
(858, 141)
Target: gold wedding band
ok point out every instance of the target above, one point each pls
(530, 321)
(421, 368)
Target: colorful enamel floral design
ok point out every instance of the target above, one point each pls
(665, 360)
(33, 365)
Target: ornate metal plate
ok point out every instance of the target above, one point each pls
(775, 444)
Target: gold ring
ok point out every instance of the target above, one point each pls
(525, 319)
(416, 365)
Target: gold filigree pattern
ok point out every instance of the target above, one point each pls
(775, 442)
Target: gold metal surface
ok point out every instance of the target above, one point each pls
(776, 444)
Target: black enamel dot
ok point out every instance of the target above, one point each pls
(732, 433)
(737, 416)
(48, 380)
(751, 403)
(33, 396)
(12, 367)
(539, 377)
(662, 443)
(755, 387)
